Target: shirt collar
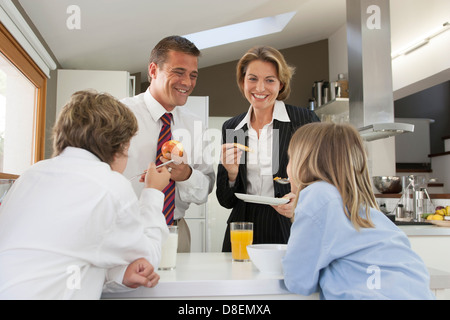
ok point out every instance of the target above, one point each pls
(155, 108)
(279, 113)
(73, 152)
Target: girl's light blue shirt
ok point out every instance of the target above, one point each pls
(327, 254)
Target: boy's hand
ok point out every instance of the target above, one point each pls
(156, 178)
(140, 273)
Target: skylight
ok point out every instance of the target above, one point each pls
(240, 31)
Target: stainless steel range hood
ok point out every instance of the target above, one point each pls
(370, 70)
(384, 130)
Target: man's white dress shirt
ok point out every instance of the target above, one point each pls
(186, 128)
(70, 226)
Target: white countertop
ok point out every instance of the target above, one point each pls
(213, 275)
(425, 230)
(216, 276)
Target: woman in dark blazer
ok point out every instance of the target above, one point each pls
(263, 77)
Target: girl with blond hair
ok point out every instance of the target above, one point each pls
(341, 245)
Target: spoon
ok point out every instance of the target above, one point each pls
(282, 180)
(140, 174)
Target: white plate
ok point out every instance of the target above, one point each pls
(260, 199)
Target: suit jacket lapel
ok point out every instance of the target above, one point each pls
(282, 132)
(239, 136)
(243, 165)
(243, 132)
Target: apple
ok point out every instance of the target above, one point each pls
(171, 146)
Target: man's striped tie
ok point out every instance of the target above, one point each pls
(169, 191)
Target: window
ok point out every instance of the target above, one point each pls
(22, 107)
(240, 31)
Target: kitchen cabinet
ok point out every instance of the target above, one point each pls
(430, 242)
(195, 218)
(117, 83)
(217, 215)
(441, 169)
(420, 139)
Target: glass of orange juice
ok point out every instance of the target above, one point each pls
(241, 234)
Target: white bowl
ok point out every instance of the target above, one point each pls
(267, 257)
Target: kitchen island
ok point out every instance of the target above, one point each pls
(215, 276)
(431, 243)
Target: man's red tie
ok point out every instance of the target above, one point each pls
(169, 191)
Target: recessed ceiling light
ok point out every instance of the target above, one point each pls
(240, 31)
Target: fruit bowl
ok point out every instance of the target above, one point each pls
(387, 184)
(267, 257)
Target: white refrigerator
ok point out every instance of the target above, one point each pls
(196, 216)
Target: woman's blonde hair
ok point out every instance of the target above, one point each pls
(266, 54)
(334, 153)
(96, 122)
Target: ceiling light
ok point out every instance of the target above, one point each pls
(422, 42)
(240, 31)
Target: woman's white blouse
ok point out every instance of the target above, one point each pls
(260, 169)
(69, 227)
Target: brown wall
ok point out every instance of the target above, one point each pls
(225, 100)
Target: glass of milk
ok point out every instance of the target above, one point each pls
(169, 250)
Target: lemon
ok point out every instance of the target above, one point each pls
(438, 217)
(430, 217)
(441, 212)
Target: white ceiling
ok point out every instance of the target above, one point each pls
(119, 34)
